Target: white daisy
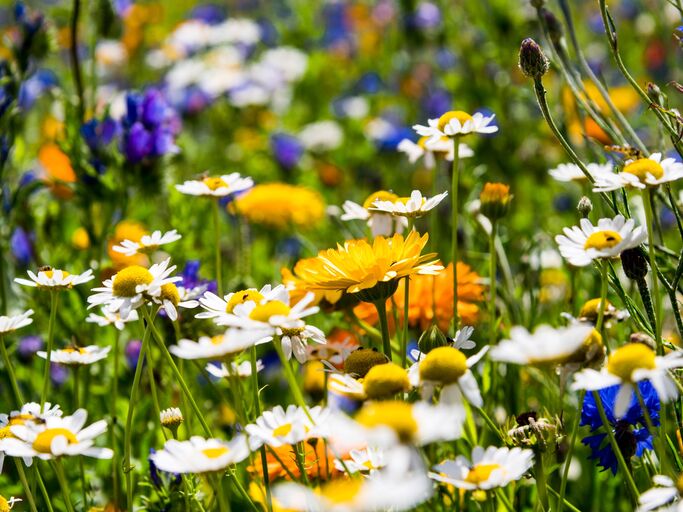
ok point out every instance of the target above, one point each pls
(242, 370)
(14, 322)
(628, 365)
(490, 468)
(572, 172)
(416, 150)
(199, 455)
(57, 437)
(581, 245)
(217, 307)
(449, 368)
(132, 287)
(367, 461)
(455, 123)
(230, 343)
(278, 427)
(665, 493)
(109, 318)
(216, 186)
(171, 418)
(547, 345)
(148, 243)
(169, 299)
(380, 224)
(641, 173)
(48, 277)
(414, 206)
(76, 356)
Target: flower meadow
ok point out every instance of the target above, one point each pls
(341, 255)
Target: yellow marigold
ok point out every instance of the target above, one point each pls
(279, 205)
(126, 230)
(424, 289)
(358, 266)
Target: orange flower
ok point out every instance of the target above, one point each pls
(126, 230)
(57, 168)
(425, 288)
(316, 463)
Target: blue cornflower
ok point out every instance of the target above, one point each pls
(631, 438)
(286, 149)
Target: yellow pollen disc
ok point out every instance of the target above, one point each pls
(4, 505)
(453, 114)
(241, 297)
(282, 430)
(214, 183)
(71, 350)
(169, 292)
(395, 414)
(625, 360)
(341, 491)
(49, 273)
(443, 364)
(480, 473)
(382, 195)
(368, 465)
(263, 312)
(422, 142)
(602, 240)
(217, 340)
(129, 278)
(214, 453)
(385, 380)
(590, 309)
(641, 168)
(5, 432)
(43, 441)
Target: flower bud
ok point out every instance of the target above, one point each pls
(360, 361)
(495, 200)
(634, 263)
(430, 339)
(532, 60)
(171, 418)
(585, 207)
(555, 31)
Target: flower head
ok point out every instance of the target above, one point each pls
(216, 186)
(640, 174)
(421, 149)
(14, 322)
(147, 244)
(230, 343)
(572, 172)
(456, 123)
(494, 200)
(77, 356)
(380, 223)
(414, 206)
(55, 279)
(279, 205)
(199, 455)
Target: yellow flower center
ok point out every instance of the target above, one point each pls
(43, 442)
(644, 166)
(381, 195)
(591, 309)
(453, 114)
(480, 473)
(495, 193)
(263, 312)
(368, 465)
(602, 240)
(49, 272)
(71, 350)
(282, 430)
(214, 453)
(5, 432)
(241, 297)
(341, 491)
(214, 183)
(625, 360)
(359, 362)
(443, 364)
(395, 414)
(385, 380)
(129, 278)
(218, 339)
(169, 292)
(4, 505)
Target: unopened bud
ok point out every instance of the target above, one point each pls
(655, 93)
(532, 60)
(360, 361)
(171, 418)
(553, 25)
(430, 339)
(634, 263)
(585, 207)
(495, 200)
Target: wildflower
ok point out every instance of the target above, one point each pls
(385, 381)
(358, 266)
(8, 504)
(278, 205)
(665, 496)
(230, 343)
(14, 322)
(456, 123)
(632, 439)
(432, 338)
(279, 427)
(530, 431)
(109, 318)
(132, 287)
(584, 207)
(317, 463)
(171, 418)
(532, 60)
(217, 307)
(490, 468)
(216, 186)
(366, 461)
(57, 436)
(380, 223)
(640, 174)
(415, 206)
(420, 149)
(126, 230)
(581, 245)
(546, 345)
(590, 310)
(242, 370)
(77, 356)
(494, 200)
(55, 279)
(572, 172)
(628, 365)
(29, 413)
(148, 243)
(321, 136)
(199, 455)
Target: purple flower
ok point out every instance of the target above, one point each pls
(132, 352)
(427, 16)
(28, 346)
(21, 243)
(59, 374)
(287, 149)
(137, 143)
(39, 83)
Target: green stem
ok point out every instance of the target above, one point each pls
(54, 301)
(541, 483)
(75, 62)
(626, 473)
(454, 227)
(77, 401)
(492, 285)
(10, 373)
(381, 306)
(658, 436)
(603, 301)
(217, 243)
(406, 311)
(218, 491)
(63, 483)
(653, 267)
(257, 413)
(114, 420)
(46, 497)
(291, 378)
(25, 484)
(570, 451)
